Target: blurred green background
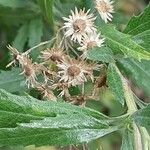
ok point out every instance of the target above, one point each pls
(26, 23)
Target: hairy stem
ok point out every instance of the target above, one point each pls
(141, 136)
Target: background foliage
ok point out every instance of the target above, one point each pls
(24, 24)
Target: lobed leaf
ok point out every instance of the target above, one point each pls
(29, 121)
(118, 41)
(139, 29)
(139, 24)
(49, 136)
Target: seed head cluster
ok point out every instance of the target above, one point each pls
(61, 68)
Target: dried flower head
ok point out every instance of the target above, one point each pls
(105, 8)
(55, 55)
(46, 92)
(26, 64)
(48, 75)
(90, 41)
(29, 70)
(16, 55)
(63, 87)
(74, 72)
(78, 24)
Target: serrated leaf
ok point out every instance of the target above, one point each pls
(29, 121)
(139, 24)
(139, 28)
(115, 83)
(21, 38)
(118, 41)
(12, 81)
(142, 118)
(32, 106)
(127, 140)
(103, 54)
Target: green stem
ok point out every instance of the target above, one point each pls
(141, 136)
(145, 138)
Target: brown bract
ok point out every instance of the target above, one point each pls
(53, 54)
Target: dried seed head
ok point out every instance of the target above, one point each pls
(26, 65)
(46, 92)
(16, 55)
(78, 24)
(91, 44)
(63, 87)
(74, 72)
(55, 55)
(90, 41)
(103, 6)
(29, 70)
(47, 74)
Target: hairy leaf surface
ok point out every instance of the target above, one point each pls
(103, 54)
(141, 117)
(118, 41)
(115, 83)
(29, 121)
(12, 81)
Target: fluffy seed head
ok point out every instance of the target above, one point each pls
(53, 54)
(78, 24)
(16, 55)
(46, 92)
(105, 8)
(29, 70)
(90, 41)
(74, 72)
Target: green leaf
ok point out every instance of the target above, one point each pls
(139, 72)
(16, 3)
(142, 118)
(47, 10)
(139, 24)
(35, 32)
(127, 140)
(12, 81)
(10, 17)
(115, 83)
(103, 54)
(21, 38)
(118, 41)
(29, 121)
(49, 136)
(139, 28)
(35, 35)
